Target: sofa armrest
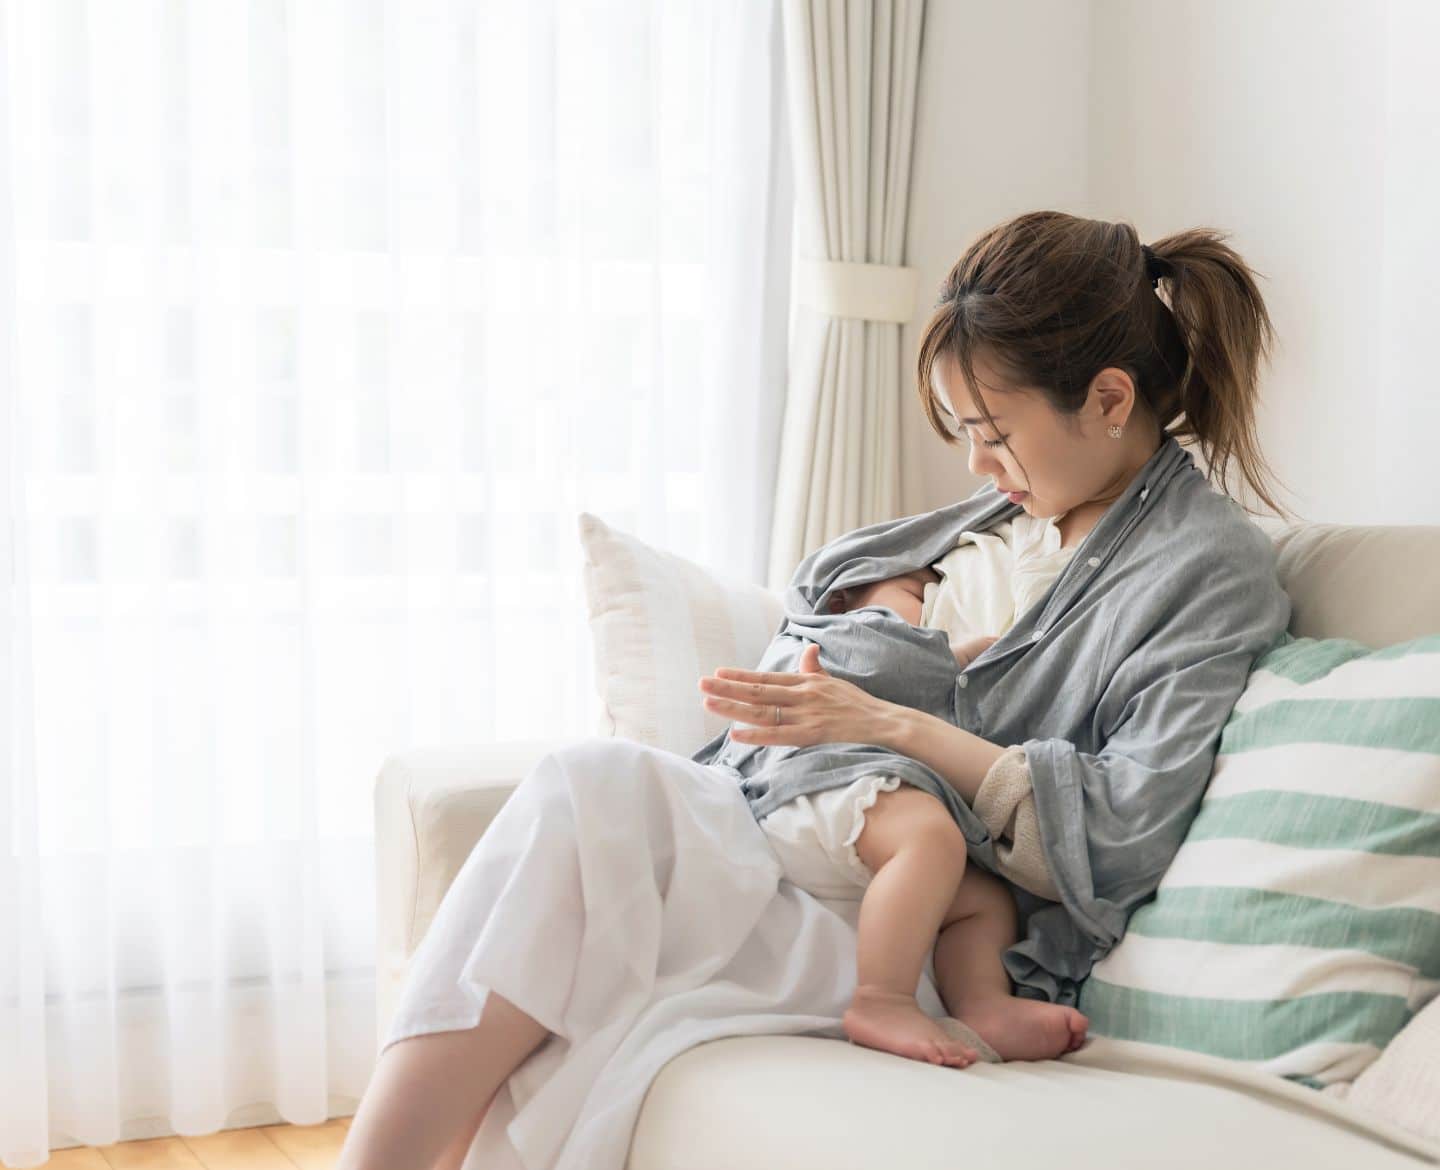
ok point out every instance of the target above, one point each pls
(431, 806)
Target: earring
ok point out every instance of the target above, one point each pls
(1115, 431)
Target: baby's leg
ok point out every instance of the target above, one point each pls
(979, 926)
(916, 852)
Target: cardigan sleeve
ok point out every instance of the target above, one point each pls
(1006, 806)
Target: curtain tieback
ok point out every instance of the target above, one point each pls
(871, 292)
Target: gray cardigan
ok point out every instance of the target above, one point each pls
(1116, 683)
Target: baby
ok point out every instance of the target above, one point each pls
(923, 887)
(906, 596)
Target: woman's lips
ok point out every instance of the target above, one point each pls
(1015, 497)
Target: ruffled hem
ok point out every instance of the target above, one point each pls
(874, 786)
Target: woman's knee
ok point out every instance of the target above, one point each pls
(601, 755)
(601, 770)
(568, 755)
(597, 760)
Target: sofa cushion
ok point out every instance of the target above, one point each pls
(658, 624)
(1298, 928)
(1374, 583)
(1108, 1106)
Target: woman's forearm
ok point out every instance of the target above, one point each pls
(960, 757)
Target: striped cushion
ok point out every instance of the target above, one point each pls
(1298, 928)
(658, 623)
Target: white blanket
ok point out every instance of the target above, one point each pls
(627, 899)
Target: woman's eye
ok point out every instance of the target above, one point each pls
(1000, 442)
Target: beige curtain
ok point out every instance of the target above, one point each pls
(852, 68)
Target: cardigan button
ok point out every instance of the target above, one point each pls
(1094, 561)
(962, 682)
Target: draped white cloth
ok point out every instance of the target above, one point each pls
(854, 69)
(625, 897)
(320, 322)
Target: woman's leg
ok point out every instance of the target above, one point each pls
(594, 824)
(429, 1093)
(981, 925)
(917, 855)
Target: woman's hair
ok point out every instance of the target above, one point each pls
(1051, 299)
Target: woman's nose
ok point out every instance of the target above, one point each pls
(979, 459)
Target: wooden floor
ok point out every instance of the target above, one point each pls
(266, 1147)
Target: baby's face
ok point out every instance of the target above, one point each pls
(904, 594)
(875, 593)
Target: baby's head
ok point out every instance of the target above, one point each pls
(857, 596)
(903, 593)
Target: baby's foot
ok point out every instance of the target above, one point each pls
(1026, 1029)
(893, 1022)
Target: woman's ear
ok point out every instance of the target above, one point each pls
(1114, 394)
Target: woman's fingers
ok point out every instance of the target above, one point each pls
(746, 712)
(760, 693)
(773, 677)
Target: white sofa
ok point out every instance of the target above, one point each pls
(797, 1102)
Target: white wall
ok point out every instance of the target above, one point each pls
(1306, 129)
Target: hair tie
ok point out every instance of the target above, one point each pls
(1153, 265)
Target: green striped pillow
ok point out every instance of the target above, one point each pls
(1298, 928)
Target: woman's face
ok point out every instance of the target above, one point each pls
(1072, 462)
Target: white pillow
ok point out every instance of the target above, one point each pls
(658, 623)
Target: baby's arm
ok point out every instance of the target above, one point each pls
(967, 650)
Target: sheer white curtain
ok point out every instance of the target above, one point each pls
(320, 321)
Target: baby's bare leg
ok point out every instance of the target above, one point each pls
(917, 854)
(980, 925)
(428, 1094)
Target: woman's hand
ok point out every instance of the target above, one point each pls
(815, 706)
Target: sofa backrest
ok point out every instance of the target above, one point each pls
(1377, 584)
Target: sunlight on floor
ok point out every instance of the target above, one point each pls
(266, 1147)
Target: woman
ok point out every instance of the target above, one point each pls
(625, 905)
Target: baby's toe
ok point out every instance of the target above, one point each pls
(959, 1055)
(935, 1052)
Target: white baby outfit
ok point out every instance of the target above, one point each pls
(987, 580)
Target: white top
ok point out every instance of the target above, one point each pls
(991, 578)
